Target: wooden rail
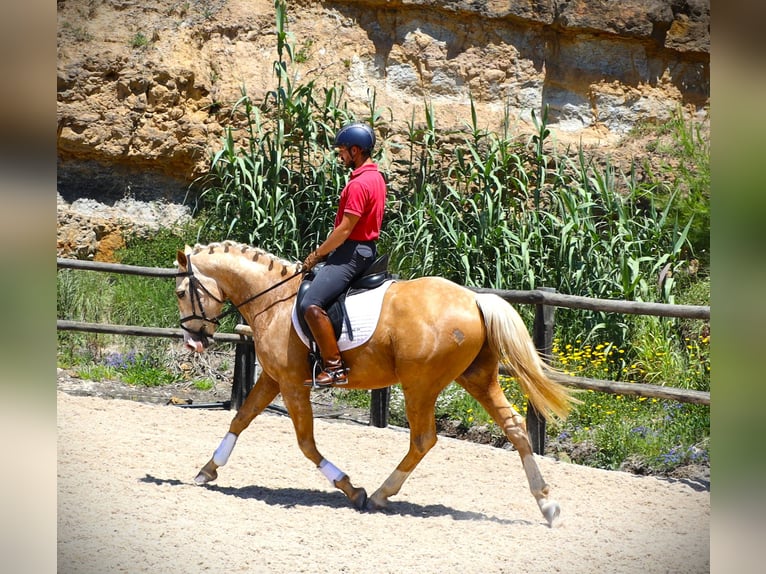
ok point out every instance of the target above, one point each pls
(544, 299)
(533, 297)
(553, 299)
(106, 328)
(600, 385)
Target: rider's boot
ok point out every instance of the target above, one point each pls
(334, 371)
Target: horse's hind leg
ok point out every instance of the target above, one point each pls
(481, 381)
(420, 407)
(259, 397)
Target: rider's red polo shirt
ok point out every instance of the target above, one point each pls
(365, 196)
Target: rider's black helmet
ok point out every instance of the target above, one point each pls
(358, 134)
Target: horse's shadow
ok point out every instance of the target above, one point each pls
(295, 497)
(698, 484)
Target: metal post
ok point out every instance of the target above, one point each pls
(543, 338)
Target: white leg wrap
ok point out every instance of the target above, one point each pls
(331, 472)
(221, 455)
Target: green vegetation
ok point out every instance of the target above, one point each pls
(139, 40)
(647, 434)
(204, 384)
(483, 209)
(125, 300)
(685, 164)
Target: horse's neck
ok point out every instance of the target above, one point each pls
(226, 269)
(249, 277)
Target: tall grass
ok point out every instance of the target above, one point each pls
(124, 300)
(275, 180)
(685, 150)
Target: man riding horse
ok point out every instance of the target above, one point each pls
(349, 249)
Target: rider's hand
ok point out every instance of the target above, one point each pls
(312, 259)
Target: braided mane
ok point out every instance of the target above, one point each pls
(248, 251)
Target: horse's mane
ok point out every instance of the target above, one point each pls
(244, 250)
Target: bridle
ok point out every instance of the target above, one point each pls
(196, 302)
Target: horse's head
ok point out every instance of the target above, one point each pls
(200, 300)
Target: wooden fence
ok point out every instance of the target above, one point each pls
(544, 299)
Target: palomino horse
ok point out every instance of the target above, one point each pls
(430, 332)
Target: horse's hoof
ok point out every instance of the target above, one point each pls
(551, 510)
(205, 476)
(373, 504)
(359, 498)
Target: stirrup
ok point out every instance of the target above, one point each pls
(334, 374)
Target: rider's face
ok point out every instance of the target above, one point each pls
(345, 155)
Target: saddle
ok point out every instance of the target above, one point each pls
(375, 275)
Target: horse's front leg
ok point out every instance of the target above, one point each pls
(259, 397)
(298, 403)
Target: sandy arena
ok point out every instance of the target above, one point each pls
(127, 503)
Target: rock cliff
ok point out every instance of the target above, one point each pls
(144, 87)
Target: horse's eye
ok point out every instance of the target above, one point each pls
(181, 294)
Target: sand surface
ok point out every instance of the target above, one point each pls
(127, 503)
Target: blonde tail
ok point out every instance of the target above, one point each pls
(509, 339)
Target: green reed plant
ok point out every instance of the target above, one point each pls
(496, 219)
(275, 181)
(474, 206)
(685, 148)
(278, 187)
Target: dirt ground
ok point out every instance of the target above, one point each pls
(127, 503)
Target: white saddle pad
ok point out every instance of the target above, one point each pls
(363, 310)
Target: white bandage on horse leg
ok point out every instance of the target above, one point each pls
(221, 455)
(331, 472)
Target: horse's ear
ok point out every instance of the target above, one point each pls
(181, 259)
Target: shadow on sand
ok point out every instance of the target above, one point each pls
(295, 497)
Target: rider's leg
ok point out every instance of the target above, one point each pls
(334, 372)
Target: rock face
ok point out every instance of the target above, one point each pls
(145, 87)
(90, 229)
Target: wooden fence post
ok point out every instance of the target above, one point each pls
(543, 338)
(379, 407)
(244, 371)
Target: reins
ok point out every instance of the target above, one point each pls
(194, 283)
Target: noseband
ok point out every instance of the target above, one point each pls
(196, 301)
